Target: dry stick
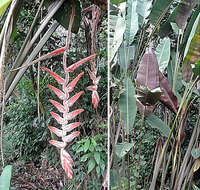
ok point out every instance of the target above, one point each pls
(38, 77)
(27, 45)
(195, 135)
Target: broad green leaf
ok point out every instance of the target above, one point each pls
(122, 149)
(158, 7)
(98, 170)
(117, 29)
(175, 27)
(195, 153)
(157, 123)
(163, 53)
(143, 10)
(97, 157)
(126, 54)
(85, 157)
(3, 5)
(191, 54)
(192, 33)
(117, 2)
(127, 104)
(170, 73)
(5, 178)
(86, 145)
(131, 21)
(91, 165)
(189, 27)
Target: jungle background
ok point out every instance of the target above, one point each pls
(154, 53)
(24, 133)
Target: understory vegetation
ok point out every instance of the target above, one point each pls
(154, 61)
(35, 162)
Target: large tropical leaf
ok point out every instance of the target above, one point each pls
(3, 5)
(158, 7)
(143, 10)
(131, 21)
(5, 178)
(189, 27)
(184, 11)
(157, 123)
(123, 148)
(148, 72)
(126, 54)
(192, 50)
(117, 29)
(170, 75)
(128, 108)
(163, 53)
(180, 16)
(168, 98)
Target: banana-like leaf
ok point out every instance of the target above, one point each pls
(167, 97)
(128, 107)
(131, 21)
(3, 5)
(148, 72)
(184, 11)
(193, 53)
(157, 123)
(158, 7)
(180, 16)
(117, 28)
(170, 74)
(163, 53)
(123, 148)
(126, 54)
(143, 10)
(5, 178)
(189, 28)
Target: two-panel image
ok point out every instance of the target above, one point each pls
(100, 95)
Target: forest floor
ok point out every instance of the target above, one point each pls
(28, 176)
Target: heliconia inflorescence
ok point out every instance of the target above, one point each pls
(63, 108)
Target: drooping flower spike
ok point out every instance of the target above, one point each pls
(63, 108)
